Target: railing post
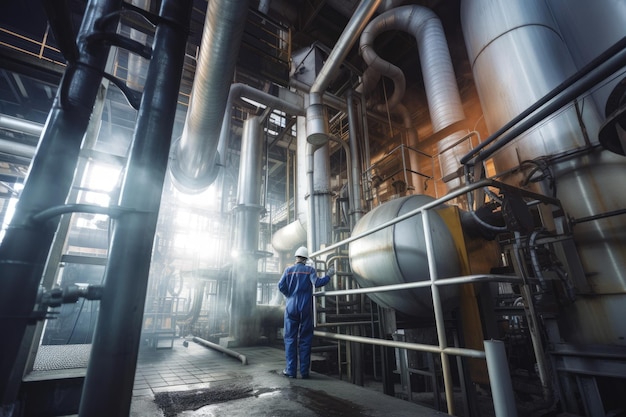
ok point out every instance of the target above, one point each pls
(500, 379)
(439, 319)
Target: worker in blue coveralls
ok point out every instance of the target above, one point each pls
(297, 284)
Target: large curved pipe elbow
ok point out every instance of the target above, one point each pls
(442, 93)
(195, 155)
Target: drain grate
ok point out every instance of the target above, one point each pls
(174, 402)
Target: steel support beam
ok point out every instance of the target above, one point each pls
(25, 247)
(111, 371)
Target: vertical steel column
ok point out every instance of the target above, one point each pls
(33, 334)
(110, 374)
(26, 244)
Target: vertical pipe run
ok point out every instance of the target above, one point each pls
(195, 163)
(321, 196)
(348, 37)
(317, 121)
(500, 379)
(108, 386)
(312, 241)
(356, 210)
(244, 315)
(26, 244)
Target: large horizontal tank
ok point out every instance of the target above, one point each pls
(397, 255)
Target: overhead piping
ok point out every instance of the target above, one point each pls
(20, 125)
(317, 121)
(442, 93)
(239, 91)
(372, 75)
(194, 157)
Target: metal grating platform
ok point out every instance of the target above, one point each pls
(58, 357)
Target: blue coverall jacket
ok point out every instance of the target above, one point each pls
(297, 284)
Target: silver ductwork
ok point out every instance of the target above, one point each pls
(287, 102)
(317, 119)
(294, 234)
(20, 125)
(518, 55)
(372, 75)
(442, 93)
(137, 65)
(12, 148)
(194, 157)
(244, 317)
(397, 255)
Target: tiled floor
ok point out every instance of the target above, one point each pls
(194, 381)
(208, 383)
(181, 368)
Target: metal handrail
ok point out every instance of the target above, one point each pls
(466, 279)
(443, 349)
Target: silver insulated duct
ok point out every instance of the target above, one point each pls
(442, 93)
(194, 156)
(518, 55)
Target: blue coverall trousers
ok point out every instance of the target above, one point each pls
(298, 338)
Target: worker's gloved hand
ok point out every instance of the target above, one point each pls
(331, 271)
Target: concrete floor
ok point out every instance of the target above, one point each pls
(198, 381)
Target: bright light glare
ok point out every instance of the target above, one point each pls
(207, 199)
(99, 182)
(102, 179)
(10, 209)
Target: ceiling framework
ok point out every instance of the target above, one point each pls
(33, 65)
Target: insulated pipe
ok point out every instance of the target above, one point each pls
(317, 128)
(113, 360)
(412, 143)
(335, 102)
(356, 210)
(294, 234)
(242, 358)
(321, 198)
(195, 154)
(26, 244)
(20, 125)
(444, 101)
(245, 320)
(372, 75)
(349, 171)
(317, 120)
(239, 91)
(136, 64)
(16, 149)
(370, 79)
(310, 163)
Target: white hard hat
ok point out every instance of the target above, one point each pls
(302, 251)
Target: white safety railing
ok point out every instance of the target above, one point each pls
(494, 350)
